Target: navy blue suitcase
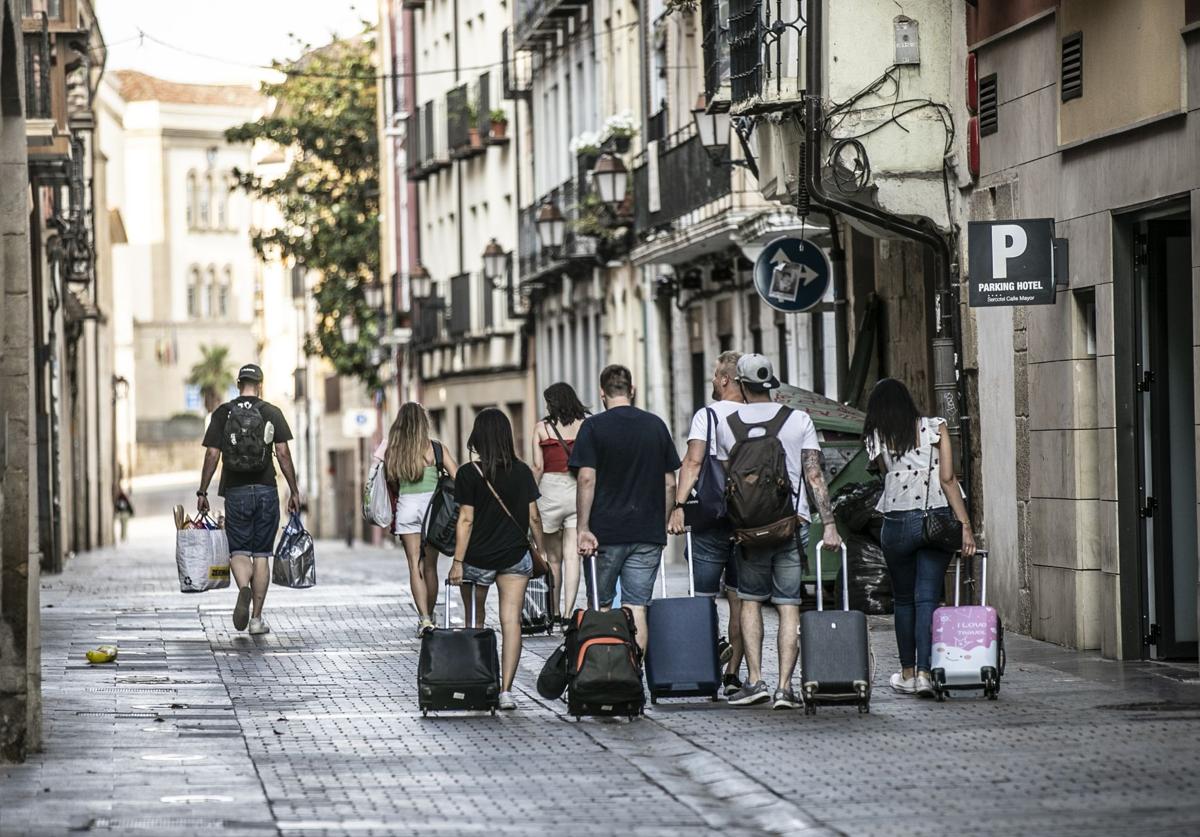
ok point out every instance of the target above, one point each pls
(836, 665)
(681, 652)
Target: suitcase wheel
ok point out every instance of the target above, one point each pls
(810, 708)
(991, 683)
(424, 713)
(653, 699)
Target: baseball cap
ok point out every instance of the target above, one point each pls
(755, 371)
(250, 372)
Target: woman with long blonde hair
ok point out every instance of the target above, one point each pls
(410, 459)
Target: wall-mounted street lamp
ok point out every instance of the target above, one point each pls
(349, 328)
(610, 179)
(715, 131)
(420, 284)
(551, 226)
(495, 264)
(373, 295)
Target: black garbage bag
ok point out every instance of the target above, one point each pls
(870, 583)
(854, 509)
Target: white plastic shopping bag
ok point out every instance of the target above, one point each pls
(202, 558)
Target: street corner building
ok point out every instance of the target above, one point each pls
(56, 380)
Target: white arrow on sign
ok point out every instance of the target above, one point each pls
(805, 272)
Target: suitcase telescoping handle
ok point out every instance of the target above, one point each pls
(471, 618)
(687, 552)
(845, 579)
(593, 588)
(982, 553)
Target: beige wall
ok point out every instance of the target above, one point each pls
(1132, 68)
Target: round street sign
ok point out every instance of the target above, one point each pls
(791, 274)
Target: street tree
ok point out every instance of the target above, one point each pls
(323, 116)
(213, 375)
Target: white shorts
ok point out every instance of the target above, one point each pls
(410, 513)
(557, 503)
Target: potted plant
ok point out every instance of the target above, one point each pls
(586, 147)
(499, 120)
(475, 139)
(619, 130)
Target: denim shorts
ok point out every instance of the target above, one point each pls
(635, 564)
(772, 572)
(486, 578)
(251, 519)
(714, 552)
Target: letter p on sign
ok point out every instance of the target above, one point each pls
(1008, 242)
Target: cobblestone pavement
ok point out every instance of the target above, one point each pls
(314, 729)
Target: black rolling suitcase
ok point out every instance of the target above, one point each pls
(604, 663)
(835, 651)
(459, 668)
(681, 651)
(540, 609)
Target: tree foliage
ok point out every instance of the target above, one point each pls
(324, 119)
(213, 375)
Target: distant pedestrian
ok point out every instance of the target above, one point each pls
(553, 441)
(498, 510)
(909, 448)
(242, 435)
(124, 510)
(410, 464)
(770, 569)
(714, 552)
(626, 465)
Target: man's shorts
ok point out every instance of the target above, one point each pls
(772, 572)
(714, 552)
(251, 519)
(635, 564)
(486, 578)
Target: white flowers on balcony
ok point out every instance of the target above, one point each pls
(587, 142)
(619, 126)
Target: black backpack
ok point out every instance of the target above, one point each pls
(604, 664)
(246, 443)
(758, 487)
(441, 517)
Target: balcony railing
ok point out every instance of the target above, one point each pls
(687, 181)
(714, 21)
(517, 76)
(766, 53)
(39, 103)
(539, 20)
(428, 320)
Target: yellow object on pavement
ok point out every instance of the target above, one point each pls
(103, 654)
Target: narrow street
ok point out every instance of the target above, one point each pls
(314, 730)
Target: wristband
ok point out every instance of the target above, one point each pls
(201, 493)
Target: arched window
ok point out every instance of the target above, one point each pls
(190, 209)
(203, 218)
(193, 293)
(223, 293)
(222, 200)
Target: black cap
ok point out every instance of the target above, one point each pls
(250, 372)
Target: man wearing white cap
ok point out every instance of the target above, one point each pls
(770, 569)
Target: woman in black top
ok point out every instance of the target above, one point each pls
(492, 543)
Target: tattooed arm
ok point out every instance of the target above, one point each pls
(816, 481)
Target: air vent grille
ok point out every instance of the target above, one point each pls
(1072, 66)
(989, 106)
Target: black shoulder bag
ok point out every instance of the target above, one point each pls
(441, 516)
(941, 531)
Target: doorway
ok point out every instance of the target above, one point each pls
(1164, 422)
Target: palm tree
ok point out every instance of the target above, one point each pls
(213, 375)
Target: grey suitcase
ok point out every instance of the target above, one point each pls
(681, 650)
(835, 651)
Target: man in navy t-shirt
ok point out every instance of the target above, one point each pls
(626, 465)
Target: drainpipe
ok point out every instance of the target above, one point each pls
(949, 384)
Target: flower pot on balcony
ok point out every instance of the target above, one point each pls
(499, 129)
(622, 144)
(474, 140)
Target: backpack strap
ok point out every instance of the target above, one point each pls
(741, 430)
(438, 462)
(710, 427)
(775, 425)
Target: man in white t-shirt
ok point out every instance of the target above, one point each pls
(713, 549)
(773, 571)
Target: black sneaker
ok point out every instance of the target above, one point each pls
(724, 650)
(731, 683)
(750, 695)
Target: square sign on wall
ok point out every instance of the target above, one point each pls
(1011, 262)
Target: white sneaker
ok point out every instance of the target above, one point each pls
(924, 685)
(259, 626)
(507, 701)
(904, 685)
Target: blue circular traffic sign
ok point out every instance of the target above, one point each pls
(792, 275)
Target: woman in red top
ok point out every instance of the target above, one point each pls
(553, 438)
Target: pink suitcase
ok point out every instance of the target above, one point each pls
(968, 643)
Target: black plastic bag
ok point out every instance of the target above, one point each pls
(854, 509)
(870, 582)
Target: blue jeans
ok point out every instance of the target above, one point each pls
(714, 552)
(251, 519)
(635, 565)
(918, 580)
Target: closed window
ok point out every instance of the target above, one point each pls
(190, 198)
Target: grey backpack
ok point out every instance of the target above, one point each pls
(758, 487)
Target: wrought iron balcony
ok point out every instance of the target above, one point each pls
(714, 21)
(39, 102)
(687, 180)
(766, 58)
(516, 75)
(536, 260)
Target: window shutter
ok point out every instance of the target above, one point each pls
(1072, 66)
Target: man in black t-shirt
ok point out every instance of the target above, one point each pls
(246, 431)
(625, 490)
